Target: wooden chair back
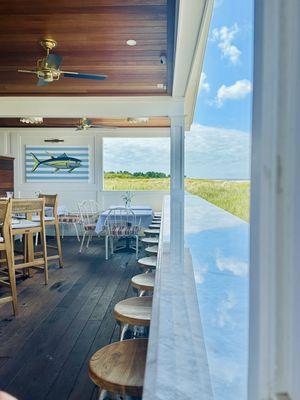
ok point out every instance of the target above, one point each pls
(5, 218)
(51, 200)
(28, 206)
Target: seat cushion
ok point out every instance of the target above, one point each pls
(69, 218)
(124, 230)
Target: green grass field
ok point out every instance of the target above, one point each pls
(233, 196)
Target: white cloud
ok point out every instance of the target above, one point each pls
(204, 86)
(237, 91)
(225, 36)
(217, 153)
(237, 267)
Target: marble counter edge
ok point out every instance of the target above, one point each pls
(177, 365)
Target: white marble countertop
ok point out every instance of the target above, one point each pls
(198, 344)
(177, 366)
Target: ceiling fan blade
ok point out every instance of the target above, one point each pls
(26, 71)
(41, 82)
(54, 61)
(84, 76)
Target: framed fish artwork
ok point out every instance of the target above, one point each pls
(57, 163)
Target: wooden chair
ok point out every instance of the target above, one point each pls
(51, 201)
(7, 275)
(28, 229)
(119, 368)
(135, 312)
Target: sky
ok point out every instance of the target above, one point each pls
(218, 145)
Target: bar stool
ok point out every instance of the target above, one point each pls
(7, 275)
(136, 312)
(154, 226)
(152, 250)
(151, 231)
(144, 283)
(150, 240)
(148, 263)
(119, 368)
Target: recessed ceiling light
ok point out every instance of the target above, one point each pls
(131, 42)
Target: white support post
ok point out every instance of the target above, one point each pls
(274, 361)
(177, 192)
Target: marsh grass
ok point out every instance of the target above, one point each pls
(232, 196)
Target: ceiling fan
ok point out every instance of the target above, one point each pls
(86, 123)
(48, 68)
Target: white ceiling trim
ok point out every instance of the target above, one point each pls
(93, 107)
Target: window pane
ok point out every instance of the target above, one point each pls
(136, 163)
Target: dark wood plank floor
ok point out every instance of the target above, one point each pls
(45, 350)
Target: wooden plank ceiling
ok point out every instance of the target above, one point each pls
(154, 122)
(91, 36)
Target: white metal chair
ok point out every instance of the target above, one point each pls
(121, 223)
(88, 220)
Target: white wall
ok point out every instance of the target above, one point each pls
(13, 142)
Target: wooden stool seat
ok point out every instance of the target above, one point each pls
(148, 262)
(154, 226)
(144, 282)
(151, 231)
(150, 240)
(134, 311)
(120, 367)
(152, 249)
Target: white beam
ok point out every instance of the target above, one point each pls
(177, 192)
(94, 107)
(193, 24)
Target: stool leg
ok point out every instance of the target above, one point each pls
(123, 329)
(102, 394)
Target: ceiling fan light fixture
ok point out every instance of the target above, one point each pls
(32, 120)
(131, 42)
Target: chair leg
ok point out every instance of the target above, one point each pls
(88, 241)
(12, 280)
(76, 230)
(43, 238)
(58, 242)
(82, 242)
(106, 247)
